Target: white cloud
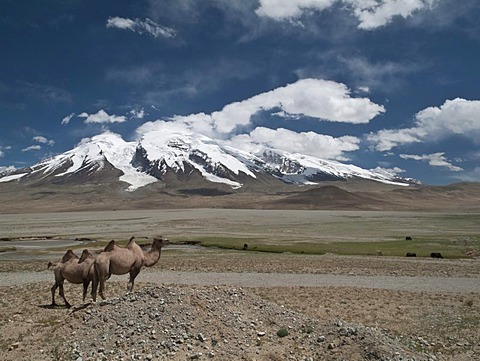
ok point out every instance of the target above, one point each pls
(141, 26)
(138, 113)
(387, 139)
(388, 171)
(371, 14)
(435, 160)
(316, 98)
(102, 117)
(377, 13)
(364, 89)
(320, 99)
(32, 147)
(281, 10)
(43, 140)
(309, 143)
(67, 119)
(454, 117)
(457, 116)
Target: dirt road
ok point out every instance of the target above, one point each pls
(255, 279)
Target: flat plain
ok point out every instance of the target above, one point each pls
(355, 245)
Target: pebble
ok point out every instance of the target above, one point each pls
(232, 320)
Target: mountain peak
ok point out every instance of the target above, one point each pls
(169, 154)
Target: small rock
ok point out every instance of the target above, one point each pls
(331, 346)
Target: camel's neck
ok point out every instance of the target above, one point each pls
(152, 257)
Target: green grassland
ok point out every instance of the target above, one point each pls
(449, 248)
(455, 235)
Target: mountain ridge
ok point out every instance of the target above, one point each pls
(171, 170)
(176, 157)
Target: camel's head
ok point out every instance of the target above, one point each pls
(160, 242)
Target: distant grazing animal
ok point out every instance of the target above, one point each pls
(411, 254)
(121, 260)
(436, 255)
(74, 270)
(245, 246)
(408, 238)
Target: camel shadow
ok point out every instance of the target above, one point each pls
(81, 307)
(52, 307)
(64, 307)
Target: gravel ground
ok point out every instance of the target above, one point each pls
(254, 280)
(347, 308)
(189, 323)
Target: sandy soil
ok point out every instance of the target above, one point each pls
(443, 324)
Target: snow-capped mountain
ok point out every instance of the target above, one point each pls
(171, 155)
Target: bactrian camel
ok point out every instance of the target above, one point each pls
(122, 260)
(74, 270)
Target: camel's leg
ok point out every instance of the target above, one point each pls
(85, 288)
(62, 294)
(95, 283)
(53, 289)
(133, 273)
(102, 288)
(94, 290)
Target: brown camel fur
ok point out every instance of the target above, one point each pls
(74, 270)
(122, 260)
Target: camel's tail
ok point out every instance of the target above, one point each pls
(51, 265)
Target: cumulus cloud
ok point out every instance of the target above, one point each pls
(371, 14)
(315, 98)
(43, 140)
(140, 26)
(454, 117)
(457, 116)
(309, 143)
(102, 117)
(67, 119)
(320, 99)
(435, 160)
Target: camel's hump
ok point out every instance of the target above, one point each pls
(68, 255)
(85, 255)
(110, 246)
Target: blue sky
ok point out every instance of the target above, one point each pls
(377, 83)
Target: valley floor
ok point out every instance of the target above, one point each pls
(403, 312)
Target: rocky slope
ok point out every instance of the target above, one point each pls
(173, 323)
